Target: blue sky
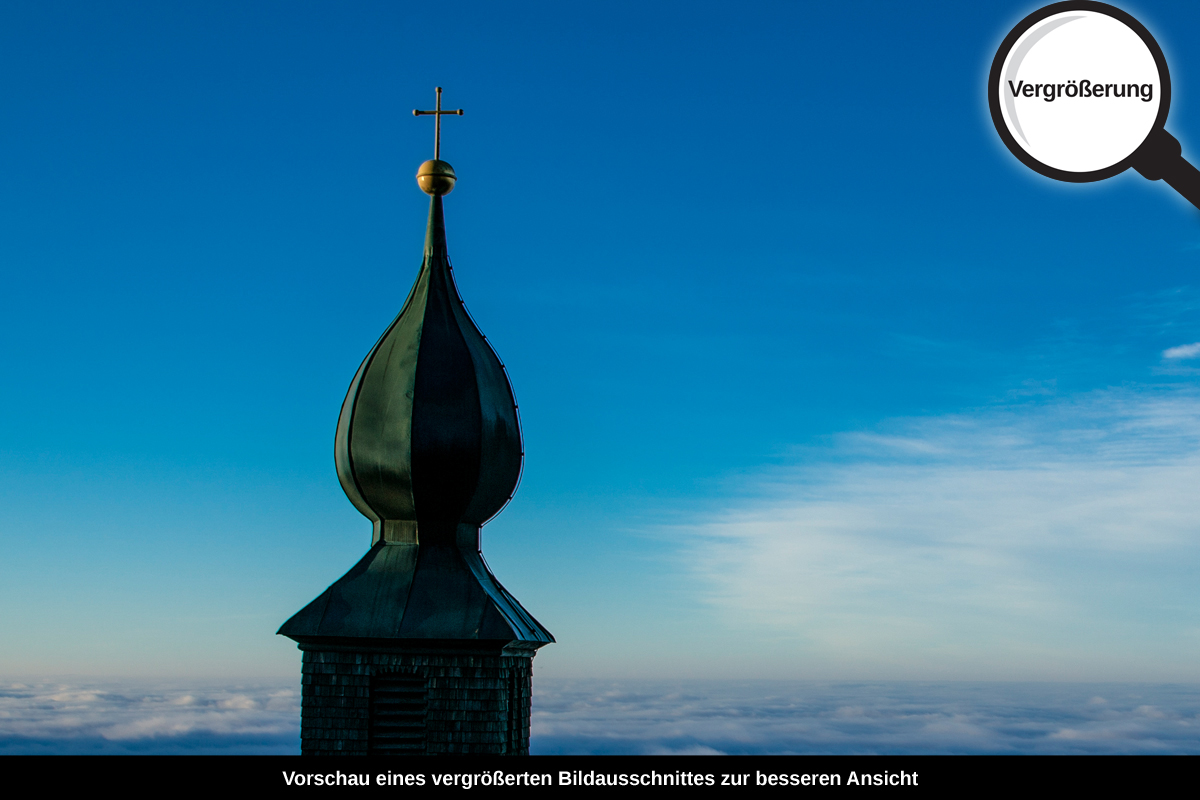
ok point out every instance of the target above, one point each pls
(816, 380)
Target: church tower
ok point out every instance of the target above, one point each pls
(418, 649)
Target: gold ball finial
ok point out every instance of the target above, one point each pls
(436, 177)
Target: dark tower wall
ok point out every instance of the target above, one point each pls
(412, 702)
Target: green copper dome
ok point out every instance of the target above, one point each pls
(428, 448)
(428, 432)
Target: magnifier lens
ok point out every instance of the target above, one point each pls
(1079, 92)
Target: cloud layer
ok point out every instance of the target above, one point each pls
(642, 717)
(738, 718)
(138, 717)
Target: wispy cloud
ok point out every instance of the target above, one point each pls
(1042, 540)
(1183, 351)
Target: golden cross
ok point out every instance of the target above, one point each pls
(437, 123)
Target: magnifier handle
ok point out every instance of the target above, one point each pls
(1161, 158)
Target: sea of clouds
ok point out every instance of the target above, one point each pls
(639, 717)
(785, 717)
(148, 717)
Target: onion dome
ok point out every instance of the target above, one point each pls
(428, 433)
(428, 447)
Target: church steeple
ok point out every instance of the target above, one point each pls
(428, 447)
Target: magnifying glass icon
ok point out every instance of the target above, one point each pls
(1079, 91)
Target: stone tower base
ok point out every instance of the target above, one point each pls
(440, 697)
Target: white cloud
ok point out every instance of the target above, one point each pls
(1034, 541)
(1183, 351)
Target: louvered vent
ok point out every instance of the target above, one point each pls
(513, 738)
(398, 704)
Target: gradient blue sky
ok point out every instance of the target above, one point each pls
(816, 380)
